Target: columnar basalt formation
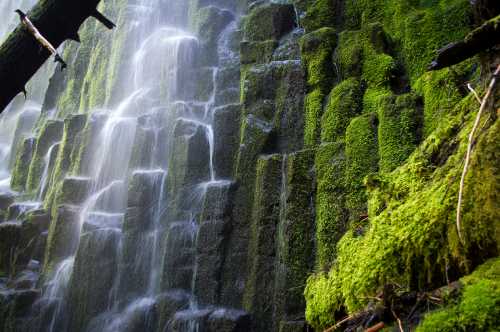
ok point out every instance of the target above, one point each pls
(218, 165)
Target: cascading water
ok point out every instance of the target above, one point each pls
(122, 248)
(142, 182)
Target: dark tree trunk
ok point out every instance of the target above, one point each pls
(21, 55)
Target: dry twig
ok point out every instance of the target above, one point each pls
(484, 102)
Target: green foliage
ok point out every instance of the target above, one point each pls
(478, 309)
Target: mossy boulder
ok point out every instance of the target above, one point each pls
(226, 139)
(73, 190)
(269, 21)
(257, 51)
(361, 148)
(93, 275)
(189, 163)
(208, 23)
(410, 240)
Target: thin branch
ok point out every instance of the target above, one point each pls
(398, 320)
(336, 326)
(484, 102)
(474, 93)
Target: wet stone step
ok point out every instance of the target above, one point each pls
(18, 210)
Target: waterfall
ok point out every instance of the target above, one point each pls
(129, 226)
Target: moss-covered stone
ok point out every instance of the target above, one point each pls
(331, 212)
(361, 146)
(269, 21)
(93, 274)
(398, 130)
(257, 52)
(21, 167)
(262, 250)
(344, 103)
(321, 13)
(317, 50)
(208, 23)
(314, 110)
(62, 240)
(25, 123)
(67, 155)
(50, 133)
(295, 236)
(226, 139)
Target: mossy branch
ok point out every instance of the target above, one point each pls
(21, 55)
(484, 102)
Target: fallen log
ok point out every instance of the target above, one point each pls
(21, 55)
(481, 39)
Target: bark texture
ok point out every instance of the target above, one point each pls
(21, 55)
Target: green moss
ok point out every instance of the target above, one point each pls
(314, 110)
(418, 29)
(411, 239)
(331, 214)
(262, 247)
(269, 21)
(67, 157)
(361, 159)
(349, 54)
(295, 234)
(398, 130)
(316, 51)
(478, 309)
(257, 52)
(321, 13)
(21, 165)
(344, 102)
(440, 93)
(50, 133)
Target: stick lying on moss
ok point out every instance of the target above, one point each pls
(484, 102)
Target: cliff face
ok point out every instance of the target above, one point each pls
(215, 165)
